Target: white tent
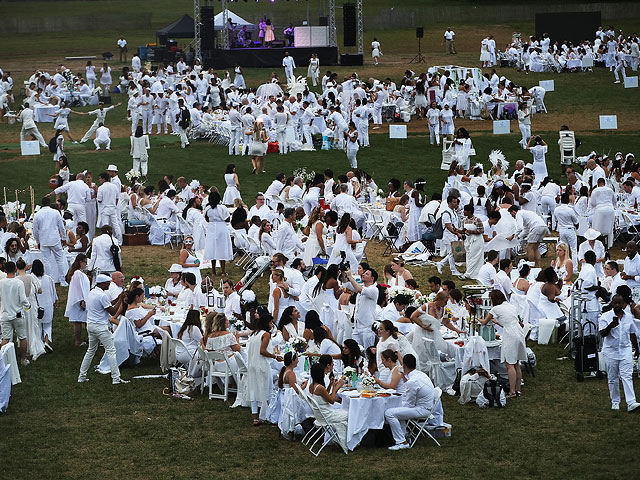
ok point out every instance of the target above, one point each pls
(238, 20)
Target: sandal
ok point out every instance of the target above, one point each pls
(518, 394)
(257, 423)
(510, 395)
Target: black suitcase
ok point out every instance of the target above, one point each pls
(586, 360)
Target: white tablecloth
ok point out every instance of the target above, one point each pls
(366, 414)
(40, 113)
(494, 352)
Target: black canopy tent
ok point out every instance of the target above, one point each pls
(182, 28)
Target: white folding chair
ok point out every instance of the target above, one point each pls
(443, 374)
(212, 359)
(567, 146)
(327, 432)
(417, 427)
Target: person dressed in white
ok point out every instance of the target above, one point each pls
(218, 239)
(48, 232)
(145, 105)
(619, 343)
(538, 151)
(603, 204)
(287, 241)
(101, 256)
(139, 147)
(78, 194)
(289, 65)
(29, 126)
(450, 41)
(13, 302)
(352, 145)
(588, 284)
(532, 228)
(101, 115)
(103, 137)
(375, 51)
(365, 310)
(135, 63)
(313, 71)
(418, 401)
(99, 312)
(452, 232)
(235, 120)
(631, 270)
(567, 221)
(107, 198)
(433, 119)
(524, 122)
(282, 118)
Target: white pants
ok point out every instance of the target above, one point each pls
(79, 212)
(548, 206)
(377, 115)
(172, 119)
(634, 64)
(568, 236)
(246, 144)
(602, 220)
(55, 262)
(620, 370)
(351, 155)
(526, 134)
(106, 142)
(619, 68)
(99, 334)
(306, 132)
(434, 132)
(288, 71)
(140, 164)
(184, 141)
(364, 336)
(234, 141)
(397, 420)
(447, 254)
(363, 133)
(263, 409)
(90, 132)
(282, 140)
(147, 118)
(135, 119)
(111, 218)
(35, 132)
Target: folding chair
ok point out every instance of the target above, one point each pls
(327, 432)
(417, 427)
(212, 358)
(443, 374)
(567, 146)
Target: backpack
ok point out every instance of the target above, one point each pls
(438, 229)
(492, 395)
(53, 145)
(115, 254)
(185, 118)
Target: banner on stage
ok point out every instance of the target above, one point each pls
(608, 122)
(30, 147)
(501, 127)
(398, 131)
(631, 82)
(548, 85)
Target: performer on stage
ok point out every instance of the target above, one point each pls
(288, 35)
(268, 33)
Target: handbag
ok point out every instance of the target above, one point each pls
(115, 254)
(457, 249)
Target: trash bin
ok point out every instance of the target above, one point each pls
(142, 53)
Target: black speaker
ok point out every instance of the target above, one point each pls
(324, 21)
(349, 19)
(351, 59)
(162, 39)
(207, 29)
(419, 32)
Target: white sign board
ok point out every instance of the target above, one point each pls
(631, 82)
(397, 131)
(608, 122)
(501, 127)
(548, 85)
(30, 147)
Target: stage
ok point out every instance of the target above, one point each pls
(269, 57)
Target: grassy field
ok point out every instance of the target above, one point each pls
(56, 428)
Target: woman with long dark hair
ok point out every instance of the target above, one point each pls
(191, 335)
(79, 286)
(325, 397)
(345, 244)
(233, 185)
(141, 318)
(289, 325)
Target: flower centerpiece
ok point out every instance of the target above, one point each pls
(132, 175)
(298, 344)
(368, 383)
(402, 295)
(157, 291)
(349, 371)
(420, 300)
(302, 173)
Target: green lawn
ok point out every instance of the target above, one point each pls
(56, 428)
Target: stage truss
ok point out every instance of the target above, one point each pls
(333, 39)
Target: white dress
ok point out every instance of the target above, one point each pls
(282, 304)
(312, 246)
(313, 71)
(375, 49)
(232, 192)
(337, 417)
(191, 258)
(78, 292)
(414, 229)
(341, 245)
(35, 345)
(259, 380)
(62, 120)
(135, 314)
(218, 239)
(484, 53)
(474, 247)
(539, 164)
(293, 411)
(513, 346)
(419, 334)
(238, 81)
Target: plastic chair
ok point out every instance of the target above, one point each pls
(442, 374)
(567, 146)
(418, 427)
(212, 358)
(326, 431)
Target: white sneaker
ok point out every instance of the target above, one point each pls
(439, 267)
(615, 406)
(25, 362)
(119, 380)
(400, 446)
(108, 148)
(97, 148)
(617, 81)
(632, 407)
(83, 379)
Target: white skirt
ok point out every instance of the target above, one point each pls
(258, 149)
(230, 194)
(375, 53)
(217, 244)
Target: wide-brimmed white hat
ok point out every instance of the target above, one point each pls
(175, 268)
(102, 278)
(112, 168)
(591, 234)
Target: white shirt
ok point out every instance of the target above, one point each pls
(103, 134)
(503, 283)
(167, 209)
(263, 212)
(603, 197)
(632, 266)
(419, 391)
(107, 196)
(565, 216)
(97, 304)
(288, 62)
(274, 189)
(232, 305)
(101, 257)
(48, 227)
(26, 117)
(617, 345)
(114, 291)
(287, 242)
(77, 192)
(100, 114)
(487, 275)
(366, 303)
(588, 278)
(122, 43)
(449, 34)
(527, 221)
(12, 297)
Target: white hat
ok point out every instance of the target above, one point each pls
(175, 268)
(112, 168)
(102, 278)
(591, 234)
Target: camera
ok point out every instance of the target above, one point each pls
(343, 266)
